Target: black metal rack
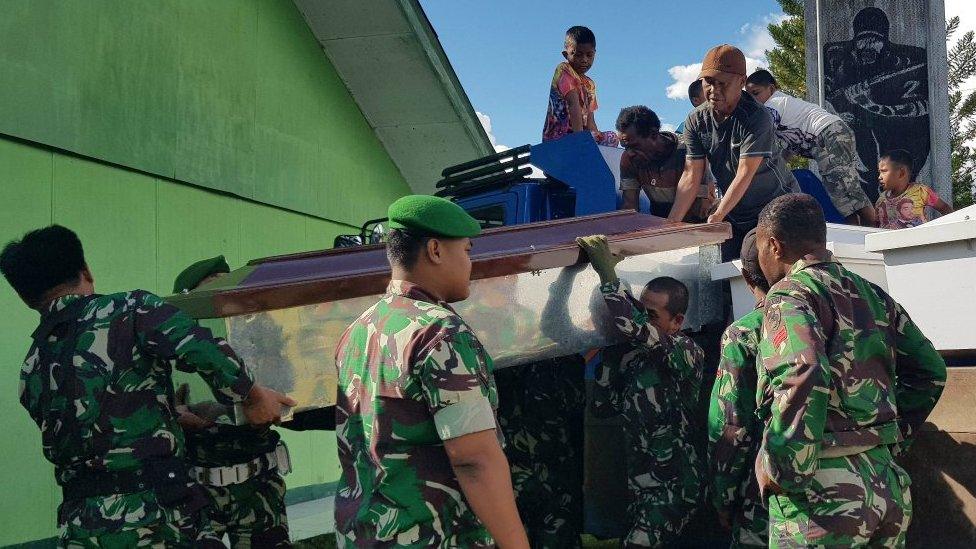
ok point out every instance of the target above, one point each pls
(495, 171)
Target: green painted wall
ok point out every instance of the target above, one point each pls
(139, 232)
(182, 96)
(234, 95)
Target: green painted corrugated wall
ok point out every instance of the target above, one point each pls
(168, 100)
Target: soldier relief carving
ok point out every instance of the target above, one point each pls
(881, 90)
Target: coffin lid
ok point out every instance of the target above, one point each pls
(330, 275)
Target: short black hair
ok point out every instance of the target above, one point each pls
(695, 89)
(902, 158)
(762, 77)
(580, 35)
(754, 276)
(676, 291)
(403, 247)
(42, 260)
(639, 117)
(796, 220)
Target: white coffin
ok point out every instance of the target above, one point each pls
(845, 241)
(931, 271)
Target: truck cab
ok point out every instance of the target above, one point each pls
(554, 180)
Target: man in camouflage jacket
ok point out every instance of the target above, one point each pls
(736, 415)
(654, 381)
(240, 467)
(422, 461)
(97, 381)
(852, 379)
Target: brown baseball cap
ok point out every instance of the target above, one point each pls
(726, 59)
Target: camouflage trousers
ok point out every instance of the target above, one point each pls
(857, 500)
(837, 159)
(540, 412)
(750, 523)
(665, 480)
(124, 520)
(251, 513)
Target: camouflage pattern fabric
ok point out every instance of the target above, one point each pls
(862, 500)
(125, 520)
(540, 413)
(251, 513)
(223, 445)
(113, 410)
(734, 432)
(654, 380)
(837, 162)
(848, 370)
(411, 375)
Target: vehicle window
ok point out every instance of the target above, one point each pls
(489, 216)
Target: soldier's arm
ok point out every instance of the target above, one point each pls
(731, 417)
(632, 319)
(920, 375)
(166, 333)
(454, 378)
(793, 353)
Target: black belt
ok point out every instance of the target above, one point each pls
(167, 478)
(90, 484)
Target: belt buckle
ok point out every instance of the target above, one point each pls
(283, 458)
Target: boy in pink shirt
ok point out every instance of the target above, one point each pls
(572, 95)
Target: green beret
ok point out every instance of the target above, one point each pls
(194, 274)
(426, 215)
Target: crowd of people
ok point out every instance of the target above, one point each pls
(817, 391)
(739, 136)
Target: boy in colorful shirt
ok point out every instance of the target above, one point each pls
(654, 379)
(572, 95)
(902, 203)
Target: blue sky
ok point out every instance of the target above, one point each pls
(505, 51)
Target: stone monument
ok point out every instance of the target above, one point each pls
(881, 66)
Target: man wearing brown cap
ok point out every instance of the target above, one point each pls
(736, 134)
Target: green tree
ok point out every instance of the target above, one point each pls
(962, 114)
(788, 59)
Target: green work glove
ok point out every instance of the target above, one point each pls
(603, 260)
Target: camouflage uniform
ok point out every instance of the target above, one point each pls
(852, 378)
(411, 375)
(654, 381)
(540, 412)
(251, 513)
(734, 432)
(837, 160)
(112, 412)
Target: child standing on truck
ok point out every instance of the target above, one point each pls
(572, 95)
(654, 380)
(902, 203)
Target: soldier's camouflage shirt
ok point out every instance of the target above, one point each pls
(411, 375)
(666, 368)
(734, 429)
(847, 367)
(112, 409)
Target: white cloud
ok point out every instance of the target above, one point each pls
(486, 124)
(667, 127)
(755, 40)
(683, 75)
(966, 10)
